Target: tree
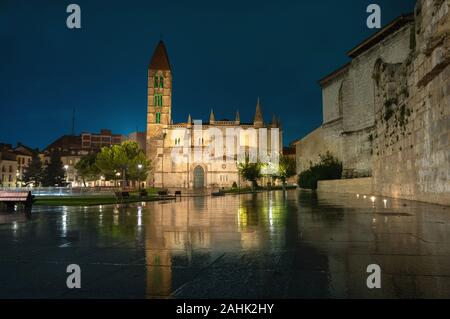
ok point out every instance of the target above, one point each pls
(106, 163)
(126, 159)
(54, 173)
(250, 172)
(33, 173)
(328, 168)
(87, 169)
(286, 169)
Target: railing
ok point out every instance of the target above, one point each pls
(62, 191)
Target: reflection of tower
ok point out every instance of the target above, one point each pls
(159, 111)
(174, 234)
(158, 259)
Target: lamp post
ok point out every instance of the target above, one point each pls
(66, 167)
(139, 175)
(117, 175)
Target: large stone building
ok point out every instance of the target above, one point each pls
(13, 163)
(8, 166)
(349, 102)
(165, 138)
(386, 112)
(24, 155)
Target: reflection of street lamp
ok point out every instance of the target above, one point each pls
(139, 175)
(117, 176)
(66, 167)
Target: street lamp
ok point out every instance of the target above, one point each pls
(66, 167)
(139, 175)
(117, 176)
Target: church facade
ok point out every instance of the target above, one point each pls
(200, 154)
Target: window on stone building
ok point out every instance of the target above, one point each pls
(158, 118)
(161, 82)
(158, 100)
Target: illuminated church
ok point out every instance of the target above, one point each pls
(164, 137)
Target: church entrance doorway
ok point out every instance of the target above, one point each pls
(199, 177)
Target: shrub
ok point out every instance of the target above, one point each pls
(328, 168)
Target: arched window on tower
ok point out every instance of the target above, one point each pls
(158, 118)
(161, 82)
(158, 100)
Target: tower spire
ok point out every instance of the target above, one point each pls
(237, 121)
(258, 120)
(212, 118)
(160, 58)
(274, 121)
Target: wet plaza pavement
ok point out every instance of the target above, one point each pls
(266, 245)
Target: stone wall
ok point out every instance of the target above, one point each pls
(349, 108)
(347, 186)
(411, 143)
(326, 138)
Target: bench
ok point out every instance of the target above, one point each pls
(13, 198)
(163, 192)
(143, 193)
(121, 196)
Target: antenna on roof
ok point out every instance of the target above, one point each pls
(73, 122)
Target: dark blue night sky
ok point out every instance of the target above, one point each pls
(224, 54)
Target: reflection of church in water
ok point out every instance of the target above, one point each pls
(187, 236)
(163, 136)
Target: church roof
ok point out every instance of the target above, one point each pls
(381, 35)
(160, 58)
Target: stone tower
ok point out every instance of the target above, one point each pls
(159, 106)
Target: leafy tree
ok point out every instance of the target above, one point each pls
(125, 158)
(87, 168)
(105, 161)
(286, 169)
(328, 168)
(54, 173)
(33, 172)
(250, 172)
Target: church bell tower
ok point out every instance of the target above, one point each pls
(159, 108)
